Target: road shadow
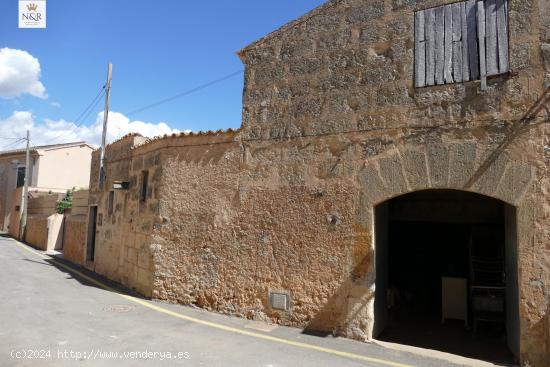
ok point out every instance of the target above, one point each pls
(71, 269)
(79, 273)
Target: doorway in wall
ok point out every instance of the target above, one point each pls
(446, 274)
(92, 227)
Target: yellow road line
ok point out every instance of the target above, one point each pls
(213, 324)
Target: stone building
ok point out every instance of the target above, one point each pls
(350, 193)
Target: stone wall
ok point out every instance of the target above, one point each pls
(13, 217)
(5, 207)
(37, 231)
(74, 241)
(127, 245)
(44, 228)
(348, 66)
(332, 127)
(329, 107)
(75, 227)
(122, 250)
(194, 243)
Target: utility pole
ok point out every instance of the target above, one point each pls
(25, 193)
(105, 117)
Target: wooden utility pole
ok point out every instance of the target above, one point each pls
(105, 117)
(25, 193)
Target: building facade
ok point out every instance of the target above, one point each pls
(350, 189)
(54, 168)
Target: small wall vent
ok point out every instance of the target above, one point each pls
(279, 301)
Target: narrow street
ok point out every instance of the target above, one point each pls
(51, 316)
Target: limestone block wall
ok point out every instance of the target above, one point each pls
(55, 232)
(145, 243)
(75, 238)
(37, 231)
(45, 231)
(75, 228)
(239, 219)
(323, 214)
(5, 168)
(122, 250)
(44, 226)
(195, 249)
(348, 66)
(298, 209)
(332, 127)
(13, 216)
(329, 102)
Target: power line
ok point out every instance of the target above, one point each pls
(88, 110)
(83, 115)
(97, 97)
(185, 93)
(13, 144)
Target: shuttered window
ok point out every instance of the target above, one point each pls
(460, 42)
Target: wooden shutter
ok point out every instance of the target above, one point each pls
(502, 36)
(473, 51)
(448, 61)
(460, 42)
(491, 45)
(457, 42)
(439, 44)
(420, 49)
(481, 44)
(429, 21)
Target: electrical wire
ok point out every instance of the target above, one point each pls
(184, 93)
(13, 144)
(97, 97)
(82, 117)
(86, 112)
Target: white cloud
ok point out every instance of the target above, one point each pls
(61, 131)
(15, 126)
(55, 104)
(19, 74)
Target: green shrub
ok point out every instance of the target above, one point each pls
(66, 202)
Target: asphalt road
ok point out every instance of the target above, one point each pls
(51, 316)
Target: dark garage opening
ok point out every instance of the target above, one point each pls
(446, 274)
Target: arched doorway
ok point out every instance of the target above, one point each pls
(446, 274)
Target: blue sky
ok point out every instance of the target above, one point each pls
(158, 49)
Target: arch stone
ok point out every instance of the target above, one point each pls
(453, 165)
(462, 160)
(415, 168)
(444, 166)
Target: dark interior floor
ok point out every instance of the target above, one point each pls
(427, 331)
